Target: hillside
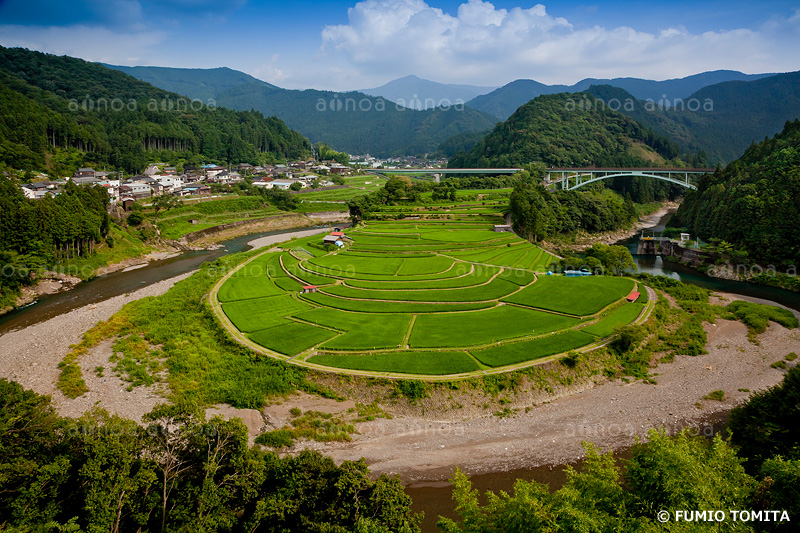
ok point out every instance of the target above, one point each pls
(553, 130)
(351, 121)
(754, 203)
(202, 83)
(417, 93)
(721, 120)
(62, 112)
(503, 101)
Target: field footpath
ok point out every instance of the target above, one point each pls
(300, 359)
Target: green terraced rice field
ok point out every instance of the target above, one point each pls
(430, 297)
(575, 296)
(625, 314)
(292, 338)
(518, 352)
(484, 327)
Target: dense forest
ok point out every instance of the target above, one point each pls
(538, 214)
(754, 203)
(576, 130)
(179, 472)
(568, 130)
(717, 122)
(59, 112)
(35, 234)
(348, 121)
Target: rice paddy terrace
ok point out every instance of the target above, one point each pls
(424, 299)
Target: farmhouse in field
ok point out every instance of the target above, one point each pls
(333, 238)
(309, 288)
(633, 296)
(502, 227)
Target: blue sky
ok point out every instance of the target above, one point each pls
(343, 45)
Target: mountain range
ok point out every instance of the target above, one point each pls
(351, 121)
(502, 102)
(417, 93)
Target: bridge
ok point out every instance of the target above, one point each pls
(440, 171)
(573, 178)
(569, 178)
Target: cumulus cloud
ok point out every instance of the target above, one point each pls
(485, 45)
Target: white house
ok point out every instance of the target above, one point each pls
(285, 184)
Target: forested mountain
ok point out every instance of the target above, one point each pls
(351, 121)
(59, 112)
(417, 93)
(203, 83)
(568, 130)
(754, 203)
(721, 120)
(504, 101)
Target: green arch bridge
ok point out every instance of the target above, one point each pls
(570, 178)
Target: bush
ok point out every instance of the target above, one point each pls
(135, 219)
(280, 438)
(412, 389)
(717, 395)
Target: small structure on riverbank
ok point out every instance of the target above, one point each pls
(499, 228)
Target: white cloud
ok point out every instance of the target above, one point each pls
(488, 46)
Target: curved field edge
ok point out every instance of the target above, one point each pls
(300, 359)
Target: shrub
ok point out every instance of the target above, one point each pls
(717, 395)
(280, 438)
(412, 389)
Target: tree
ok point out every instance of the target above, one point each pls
(165, 202)
(614, 258)
(296, 186)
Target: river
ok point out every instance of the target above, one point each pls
(434, 498)
(122, 282)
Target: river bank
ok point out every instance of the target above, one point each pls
(53, 282)
(585, 240)
(612, 414)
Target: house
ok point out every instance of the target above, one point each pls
(633, 296)
(193, 190)
(339, 170)
(285, 184)
(151, 170)
(135, 190)
(309, 288)
(502, 227)
(85, 180)
(127, 203)
(333, 239)
(84, 173)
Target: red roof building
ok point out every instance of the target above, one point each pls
(633, 296)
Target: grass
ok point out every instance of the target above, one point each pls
(484, 327)
(174, 224)
(291, 338)
(517, 352)
(578, 296)
(624, 314)
(471, 275)
(432, 363)
(204, 365)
